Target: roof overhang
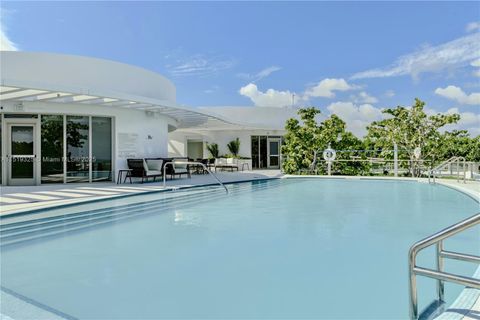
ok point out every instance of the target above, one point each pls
(185, 117)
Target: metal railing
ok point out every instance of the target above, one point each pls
(172, 163)
(441, 254)
(455, 159)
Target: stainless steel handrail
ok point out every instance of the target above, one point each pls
(195, 163)
(453, 159)
(439, 274)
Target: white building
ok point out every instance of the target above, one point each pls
(77, 119)
(259, 129)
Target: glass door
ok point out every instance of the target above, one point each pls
(21, 154)
(273, 153)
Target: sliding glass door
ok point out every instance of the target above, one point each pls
(265, 152)
(78, 149)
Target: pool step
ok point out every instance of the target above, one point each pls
(175, 196)
(50, 226)
(66, 223)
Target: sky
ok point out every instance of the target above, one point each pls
(349, 58)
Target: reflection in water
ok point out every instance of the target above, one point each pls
(182, 217)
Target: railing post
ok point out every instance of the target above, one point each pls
(395, 159)
(413, 295)
(440, 284)
(458, 169)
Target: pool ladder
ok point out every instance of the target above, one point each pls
(194, 163)
(439, 274)
(455, 159)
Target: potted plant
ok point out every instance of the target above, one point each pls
(234, 147)
(213, 149)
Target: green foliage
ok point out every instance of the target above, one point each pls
(234, 147)
(300, 141)
(459, 143)
(410, 128)
(306, 140)
(213, 149)
(349, 148)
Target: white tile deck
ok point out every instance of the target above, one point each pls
(11, 200)
(63, 194)
(33, 196)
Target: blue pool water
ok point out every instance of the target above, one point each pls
(290, 248)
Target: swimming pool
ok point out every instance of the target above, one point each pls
(288, 248)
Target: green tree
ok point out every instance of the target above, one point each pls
(301, 140)
(350, 155)
(305, 141)
(459, 143)
(474, 150)
(409, 128)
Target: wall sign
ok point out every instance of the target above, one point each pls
(127, 144)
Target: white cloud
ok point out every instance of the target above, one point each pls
(475, 63)
(357, 117)
(364, 97)
(389, 93)
(212, 89)
(468, 121)
(458, 95)
(199, 65)
(473, 26)
(326, 88)
(457, 53)
(276, 98)
(259, 75)
(5, 43)
(269, 98)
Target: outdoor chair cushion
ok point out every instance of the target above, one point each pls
(154, 164)
(220, 161)
(180, 166)
(153, 173)
(145, 165)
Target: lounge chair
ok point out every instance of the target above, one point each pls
(226, 163)
(141, 168)
(179, 167)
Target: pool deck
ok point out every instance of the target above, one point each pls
(28, 199)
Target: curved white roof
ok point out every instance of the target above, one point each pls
(84, 74)
(59, 78)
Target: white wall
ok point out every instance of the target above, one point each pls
(177, 145)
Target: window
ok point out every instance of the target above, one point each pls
(77, 149)
(52, 148)
(255, 154)
(101, 149)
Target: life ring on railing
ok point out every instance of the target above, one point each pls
(329, 154)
